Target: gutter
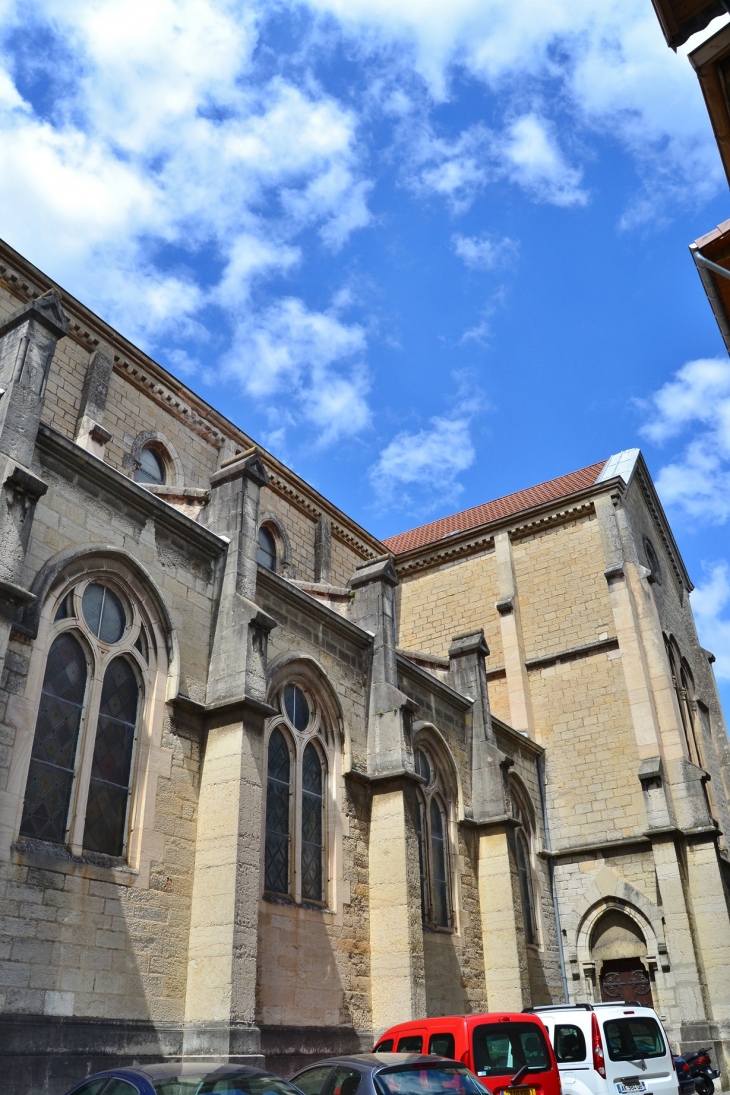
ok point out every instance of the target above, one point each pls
(706, 269)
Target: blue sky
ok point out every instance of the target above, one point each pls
(426, 253)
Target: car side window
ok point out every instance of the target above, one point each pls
(412, 1043)
(345, 1081)
(569, 1043)
(384, 1047)
(313, 1080)
(93, 1087)
(442, 1045)
(120, 1087)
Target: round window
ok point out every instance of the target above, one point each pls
(104, 613)
(151, 468)
(296, 707)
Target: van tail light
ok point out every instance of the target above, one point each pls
(466, 1058)
(599, 1061)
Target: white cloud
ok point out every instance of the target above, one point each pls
(292, 355)
(711, 607)
(483, 252)
(418, 469)
(697, 398)
(533, 160)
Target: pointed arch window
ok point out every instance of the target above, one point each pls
(295, 857)
(433, 844)
(80, 777)
(524, 838)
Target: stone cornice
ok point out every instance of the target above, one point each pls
(572, 654)
(312, 607)
(573, 507)
(520, 740)
(90, 469)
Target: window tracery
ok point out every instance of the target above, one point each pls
(99, 661)
(433, 842)
(296, 793)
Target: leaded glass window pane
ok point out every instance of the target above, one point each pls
(523, 871)
(312, 842)
(103, 612)
(151, 468)
(423, 768)
(50, 776)
(421, 857)
(106, 809)
(278, 785)
(296, 707)
(438, 857)
(266, 551)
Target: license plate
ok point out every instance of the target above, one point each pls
(631, 1089)
(520, 1090)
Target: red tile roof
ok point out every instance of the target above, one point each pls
(492, 511)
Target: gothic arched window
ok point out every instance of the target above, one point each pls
(266, 550)
(524, 851)
(79, 781)
(433, 843)
(295, 847)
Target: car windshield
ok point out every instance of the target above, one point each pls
(232, 1083)
(633, 1039)
(420, 1080)
(501, 1049)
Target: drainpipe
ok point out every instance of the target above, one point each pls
(551, 873)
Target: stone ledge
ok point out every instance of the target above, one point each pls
(572, 654)
(431, 683)
(312, 607)
(57, 857)
(230, 707)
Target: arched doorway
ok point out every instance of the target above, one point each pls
(619, 951)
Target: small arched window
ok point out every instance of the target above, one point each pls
(523, 851)
(150, 467)
(79, 781)
(266, 552)
(296, 795)
(433, 849)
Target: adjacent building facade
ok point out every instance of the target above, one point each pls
(269, 785)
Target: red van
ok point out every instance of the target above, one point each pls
(494, 1046)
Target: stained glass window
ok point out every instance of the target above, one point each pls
(151, 468)
(312, 842)
(438, 855)
(277, 814)
(106, 809)
(523, 871)
(423, 768)
(421, 858)
(142, 645)
(104, 613)
(296, 707)
(50, 777)
(266, 551)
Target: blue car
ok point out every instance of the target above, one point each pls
(184, 1079)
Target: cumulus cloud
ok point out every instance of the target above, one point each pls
(483, 252)
(532, 159)
(711, 607)
(312, 359)
(695, 401)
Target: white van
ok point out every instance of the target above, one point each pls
(610, 1049)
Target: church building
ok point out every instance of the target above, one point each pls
(269, 785)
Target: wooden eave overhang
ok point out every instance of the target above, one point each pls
(26, 282)
(680, 19)
(711, 62)
(715, 248)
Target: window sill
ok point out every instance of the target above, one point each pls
(56, 857)
(286, 899)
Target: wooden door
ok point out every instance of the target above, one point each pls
(626, 979)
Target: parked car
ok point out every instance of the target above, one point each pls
(684, 1076)
(388, 1074)
(495, 1046)
(619, 1047)
(184, 1079)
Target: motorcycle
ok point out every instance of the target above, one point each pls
(701, 1070)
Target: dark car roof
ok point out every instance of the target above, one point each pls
(384, 1060)
(173, 1070)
